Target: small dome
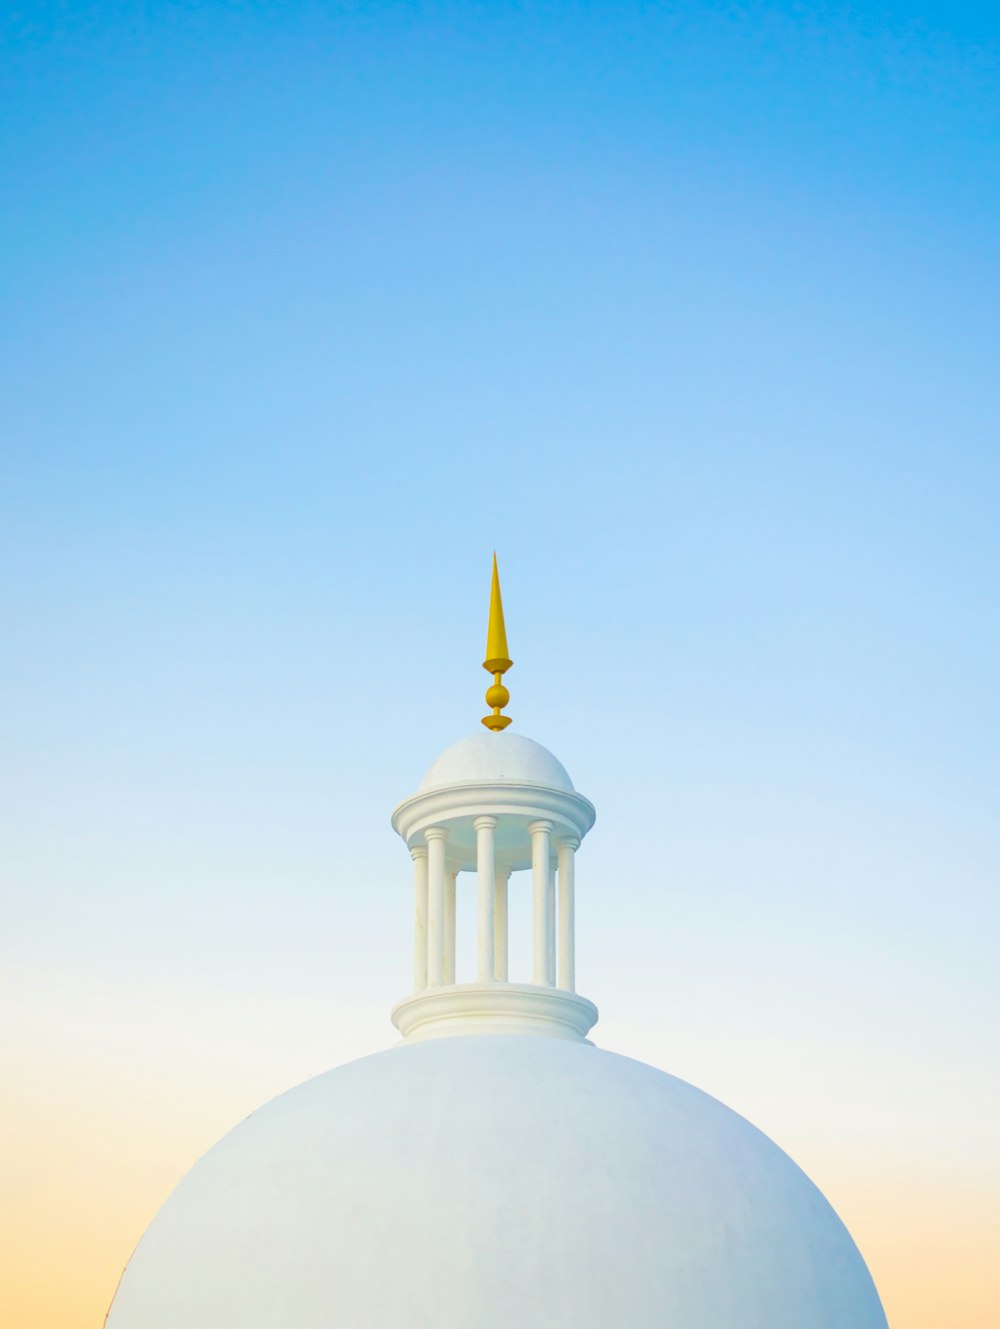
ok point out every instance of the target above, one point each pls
(488, 758)
(494, 1182)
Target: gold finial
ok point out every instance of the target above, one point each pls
(496, 661)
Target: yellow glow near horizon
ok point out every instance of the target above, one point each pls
(96, 1136)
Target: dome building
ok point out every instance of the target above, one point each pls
(495, 1169)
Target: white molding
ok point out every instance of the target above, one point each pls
(569, 812)
(494, 1008)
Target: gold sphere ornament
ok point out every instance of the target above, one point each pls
(497, 696)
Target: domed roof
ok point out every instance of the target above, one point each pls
(485, 1182)
(490, 758)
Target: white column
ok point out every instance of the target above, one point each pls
(419, 917)
(541, 884)
(450, 886)
(567, 913)
(550, 922)
(485, 828)
(437, 842)
(500, 881)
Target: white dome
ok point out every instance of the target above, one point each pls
(486, 1183)
(489, 758)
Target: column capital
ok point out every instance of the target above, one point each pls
(418, 851)
(485, 823)
(568, 842)
(536, 826)
(436, 833)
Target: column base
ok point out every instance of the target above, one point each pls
(462, 1009)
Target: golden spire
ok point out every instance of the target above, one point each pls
(496, 661)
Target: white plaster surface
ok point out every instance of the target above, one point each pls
(487, 757)
(494, 1008)
(494, 1183)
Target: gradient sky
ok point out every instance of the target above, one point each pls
(691, 312)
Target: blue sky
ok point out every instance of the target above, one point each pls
(688, 310)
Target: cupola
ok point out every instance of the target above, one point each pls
(496, 812)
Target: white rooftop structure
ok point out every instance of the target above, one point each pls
(504, 757)
(495, 1169)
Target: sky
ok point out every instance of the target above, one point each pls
(689, 311)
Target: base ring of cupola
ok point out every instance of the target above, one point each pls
(494, 1008)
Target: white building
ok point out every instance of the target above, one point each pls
(495, 1170)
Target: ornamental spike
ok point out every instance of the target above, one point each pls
(497, 661)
